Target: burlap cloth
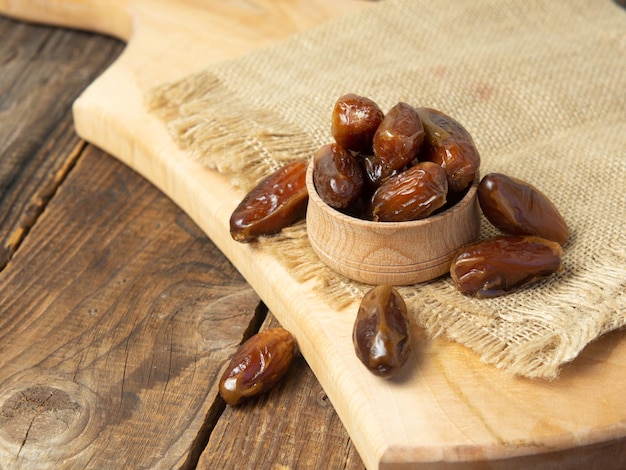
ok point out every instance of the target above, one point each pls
(540, 85)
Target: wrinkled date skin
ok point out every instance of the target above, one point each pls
(447, 143)
(503, 265)
(276, 202)
(518, 208)
(257, 366)
(354, 122)
(398, 139)
(337, 176)
(381, 331)
(410, 195)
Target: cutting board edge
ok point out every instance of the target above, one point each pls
(537, 457)
(111, 18)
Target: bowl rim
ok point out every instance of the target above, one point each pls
(468, 198)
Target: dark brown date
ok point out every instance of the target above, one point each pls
(518, 208)
(373, 172)
(410, 195)
(276, 202)
(257, 366)
(398, 139)
(447, 143)
(354, 121)
(502, 265)
(337, 176)
(381, 331)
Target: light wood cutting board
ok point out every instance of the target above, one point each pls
(447, 410)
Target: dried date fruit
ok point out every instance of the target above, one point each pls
(373, 172)
(337, 176)
(354, 121)
(518, 208)
(410, 195)
(502, 265)
(381, 331)
(398, 139)
(258, 365)
(276, 202)
(449, 144)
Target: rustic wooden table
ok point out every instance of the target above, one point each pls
(117, 314)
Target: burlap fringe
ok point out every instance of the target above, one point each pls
(431, 308)
(223, 133)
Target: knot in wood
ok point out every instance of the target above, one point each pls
(38, 414)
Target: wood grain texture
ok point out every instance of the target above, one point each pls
(122, 309)
(43, 71)
(384, 252)
(446, 410)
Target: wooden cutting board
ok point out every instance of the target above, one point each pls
(447, 410)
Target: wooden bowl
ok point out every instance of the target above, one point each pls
(396, 253)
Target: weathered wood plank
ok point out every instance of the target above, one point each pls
(43, 70)
(115, 317)
(293, 426)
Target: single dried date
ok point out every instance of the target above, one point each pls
(354, 122)
(257, 366)
(398, 139)
(518, 208)
(276, 202)
(381, 331)
(410, 195)
(373, 173)
(502, 265)
(337, 176)
(449, 144)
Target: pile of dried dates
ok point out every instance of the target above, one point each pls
(400, 166)
(404, 165)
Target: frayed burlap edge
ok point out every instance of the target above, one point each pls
(440, 315)
(260, 140)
